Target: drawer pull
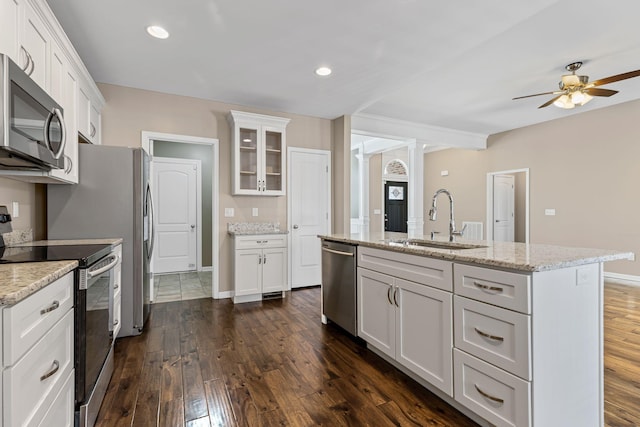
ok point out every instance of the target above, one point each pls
(486, 335)
(115, 322)
(488, 288)
(389, 295)
(488, 396)
(116, 286)
(56, 366)
(395, 297)
(52, 307)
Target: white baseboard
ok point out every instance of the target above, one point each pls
(208, 268)
(225, 294)
(622, 279)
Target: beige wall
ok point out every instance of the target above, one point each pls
(130, 111)
(375, 194)
(32, 200)
(341, 171)
(584, 166)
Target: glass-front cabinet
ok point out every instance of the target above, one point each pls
(258, 154)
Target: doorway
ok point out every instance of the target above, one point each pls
(210, 191)
(497, 192)
(395, 206)
(309, 195)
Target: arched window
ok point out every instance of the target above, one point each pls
(395, 167)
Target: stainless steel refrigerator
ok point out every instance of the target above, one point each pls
(112, 199)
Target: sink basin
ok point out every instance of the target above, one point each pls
(436, 244)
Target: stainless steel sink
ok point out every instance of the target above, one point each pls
(436, 244)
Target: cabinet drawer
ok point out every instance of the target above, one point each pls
(26, 322)
(499, 397)
(61, 412)
(32, 384)
(423, 270)
(261, 241)
(501, 288)
(498, 336)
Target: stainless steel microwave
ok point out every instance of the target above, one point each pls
(32, 131)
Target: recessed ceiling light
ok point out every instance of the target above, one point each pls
(323, 71)
(157, 32)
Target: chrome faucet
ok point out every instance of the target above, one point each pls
(452, 222)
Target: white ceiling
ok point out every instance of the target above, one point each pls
(449, 64)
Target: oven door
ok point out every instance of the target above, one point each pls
(93, 323)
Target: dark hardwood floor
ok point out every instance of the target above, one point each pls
(209, 363)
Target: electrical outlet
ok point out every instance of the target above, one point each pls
(377, 211)
(444, 173)
(550, 212)
(254, 212)
(228, 212)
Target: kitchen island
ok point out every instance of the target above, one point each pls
(509, 333)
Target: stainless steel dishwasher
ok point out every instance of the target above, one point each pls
(339, 284)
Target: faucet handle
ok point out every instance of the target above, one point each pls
(461, 232)
(433, 234)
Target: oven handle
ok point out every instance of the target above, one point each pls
(94, 273)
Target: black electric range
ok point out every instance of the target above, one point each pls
(84, 254)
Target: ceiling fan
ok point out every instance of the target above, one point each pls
(576, 90)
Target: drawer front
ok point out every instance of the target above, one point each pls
(423, 270)
(501, 288)
(31, 386)
(61, 412)
(261, 241)
(498, 336)
(499, 397)
(26, 322)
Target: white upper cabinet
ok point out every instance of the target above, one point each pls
(259, 147)
(32, 37)
(9, 18)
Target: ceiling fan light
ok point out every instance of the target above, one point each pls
(585, 98)
(578, 98)
(564, 102)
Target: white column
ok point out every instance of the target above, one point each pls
(363, 160)
(415, 222)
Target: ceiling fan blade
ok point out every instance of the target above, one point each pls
(615, 78)
(600, 92)
(537, 94)
(549, 102)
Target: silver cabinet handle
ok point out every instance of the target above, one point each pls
(56, 366)
(259, 259)
(389, 294)
(395, 297)
(54, 305)
(333, 251)
(116, 286)
(27, 56)
(33, 64)
(115, 322)
(68, 164)
(486, 335)
(93, 130)
(488, 288)
(264, 259)
(488, 396)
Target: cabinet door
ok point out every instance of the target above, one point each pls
(84, 112)
(9, 18)
(57, 76)
(424, 336)
(274, 269)
(247, 179)
(273, 160)
(248, 272)
(35, 41)
(376, 312)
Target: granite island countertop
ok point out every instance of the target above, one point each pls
(20, 280)
(503, 255)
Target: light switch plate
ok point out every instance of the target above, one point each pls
(15, 209)
(377, 211)
(228, 212)
(550, 212)
(254, 211)
(444, 173)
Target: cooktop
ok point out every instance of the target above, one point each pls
(84, 254)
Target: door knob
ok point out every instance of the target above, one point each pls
(193, 226)
(295, 226)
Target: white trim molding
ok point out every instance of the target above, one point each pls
(622, 279)
(425, 134)
(147, 139)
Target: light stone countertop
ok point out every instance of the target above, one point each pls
(113, 242)
(256, 233)
(503, 255)
(18, 281)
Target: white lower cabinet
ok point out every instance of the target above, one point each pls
(38, 373)
(259, 266)
(409, 322)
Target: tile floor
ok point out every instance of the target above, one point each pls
(182, 286)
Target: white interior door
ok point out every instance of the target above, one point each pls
(176, 196)
(309, 195)
(503, 208)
